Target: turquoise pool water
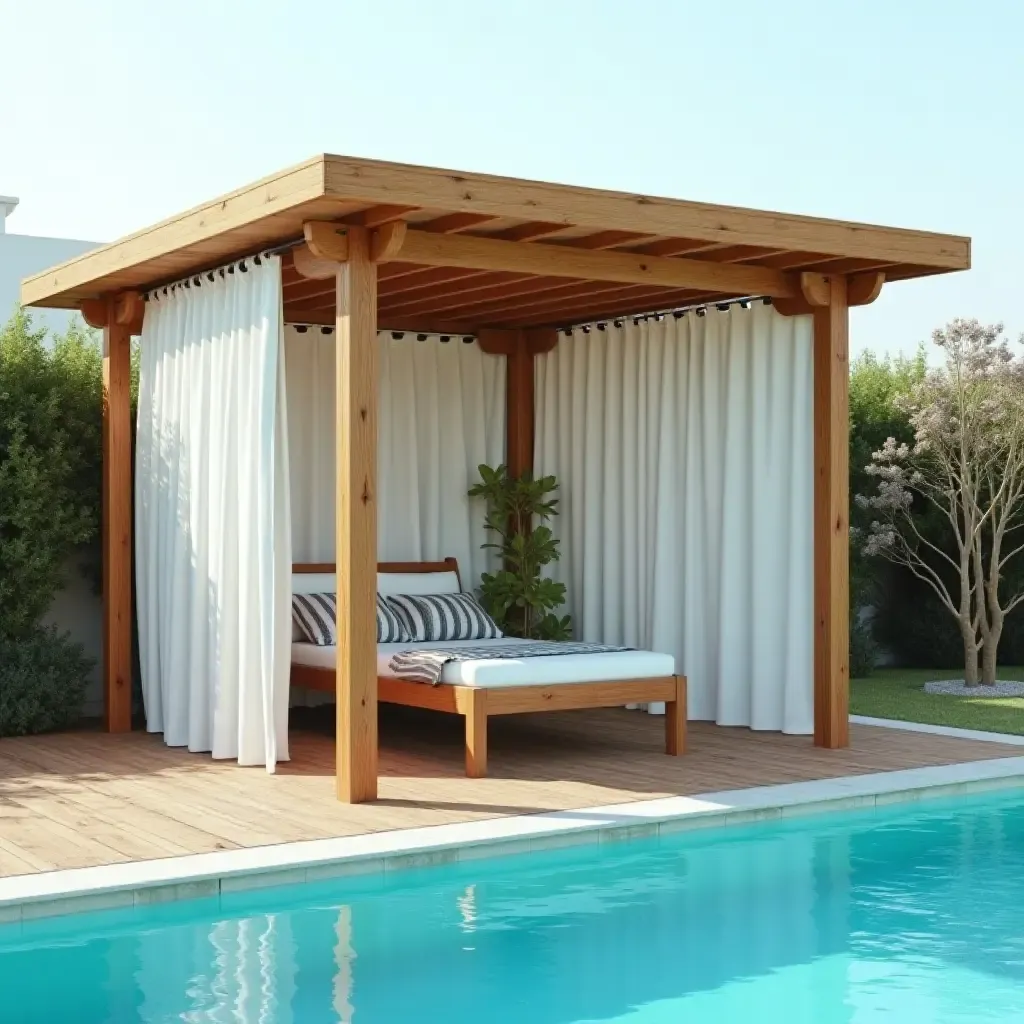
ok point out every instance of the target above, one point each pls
(910, 916)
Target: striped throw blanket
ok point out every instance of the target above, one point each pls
(426, 666)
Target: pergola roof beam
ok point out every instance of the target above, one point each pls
(474, 253)
(377, 181)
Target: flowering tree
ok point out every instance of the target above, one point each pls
(967, 464)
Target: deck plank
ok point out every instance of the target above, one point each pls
(82, 798)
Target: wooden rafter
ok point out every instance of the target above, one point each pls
(456, 222)
(529, 231)
(603, 240)
(624, 301)
(737, 254)
(672, 247)
(526, 300)
(413, 279)
(790, 260)
(466, 291)
(387, 213)
(309, 290)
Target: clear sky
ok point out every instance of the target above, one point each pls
(115, 114)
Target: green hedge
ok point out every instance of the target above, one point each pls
(43, 676)
(50, 462)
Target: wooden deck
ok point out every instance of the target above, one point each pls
(85, 798)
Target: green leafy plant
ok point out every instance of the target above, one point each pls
(43, 676)
(522, 601)
(50, 457)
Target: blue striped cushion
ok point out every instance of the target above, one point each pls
(316, 615)
(430, 617)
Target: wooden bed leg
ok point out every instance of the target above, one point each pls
(476, 735)
(675, 720)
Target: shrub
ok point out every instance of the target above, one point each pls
(50, 452)
(876, 386)
(863, 650)
(910, 622)
(50, 459)
(42, 682)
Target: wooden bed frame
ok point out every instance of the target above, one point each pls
(476, 704)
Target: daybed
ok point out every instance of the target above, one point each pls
(479, 689)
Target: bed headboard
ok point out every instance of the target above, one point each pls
(392, 577)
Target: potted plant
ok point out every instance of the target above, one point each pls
(520, 599)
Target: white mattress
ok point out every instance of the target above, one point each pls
(561, 668)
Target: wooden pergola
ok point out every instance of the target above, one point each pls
(370, 245)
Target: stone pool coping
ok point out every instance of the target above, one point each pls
(1006, 738)
(230, 873)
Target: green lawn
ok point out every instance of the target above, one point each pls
(898, 693)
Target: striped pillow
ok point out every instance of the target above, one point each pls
(316, 615)
(389, 626)
(431, 617)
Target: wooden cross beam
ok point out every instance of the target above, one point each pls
(426, 248)
(394, 241)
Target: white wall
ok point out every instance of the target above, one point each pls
(23, 255)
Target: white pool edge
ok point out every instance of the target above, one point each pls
(231, 873)
(1007, 739)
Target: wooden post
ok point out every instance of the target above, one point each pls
(831, 519)
(117, 509)
(476, 735)
(356, 743)
(675, 720)
(520, 347)
(519, 408)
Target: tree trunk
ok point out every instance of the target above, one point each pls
(970, 658)
(995, 619)
(989, 654)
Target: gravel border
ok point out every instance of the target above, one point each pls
(958, 688)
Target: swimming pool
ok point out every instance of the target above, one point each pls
(911, 914)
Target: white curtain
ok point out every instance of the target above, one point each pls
(441, 414)
(213, 531)
(683, 448)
